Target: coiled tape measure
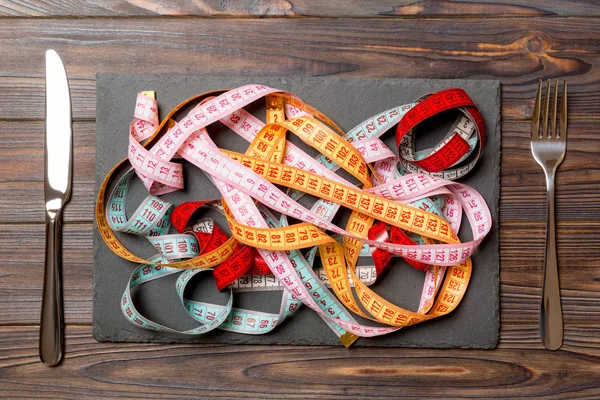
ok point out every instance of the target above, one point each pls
(404, 205)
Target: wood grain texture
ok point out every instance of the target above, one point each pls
(22, 186)
(531, 44)
(296, 8)
(521, 258)
(508, 49)
(577, 196)
(159, 371)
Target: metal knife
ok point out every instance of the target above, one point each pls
(57, 189)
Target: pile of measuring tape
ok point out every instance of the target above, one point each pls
(404, 204)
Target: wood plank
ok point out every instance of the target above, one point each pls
(521, 257)
(160, 371)
(297, 8)
(583, 339)
(519, 368)
(22, 186)
(577, 197)
(21, 275)
(522, 183)
(521, 271)
(517, 51)
(23, 97)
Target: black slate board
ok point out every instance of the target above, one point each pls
(475, 324)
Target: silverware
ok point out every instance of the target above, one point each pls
(548, 148)
(57, 190)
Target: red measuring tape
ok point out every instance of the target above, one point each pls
(403, 207)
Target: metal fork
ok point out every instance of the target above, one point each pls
(548, 149)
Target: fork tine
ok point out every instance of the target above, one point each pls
(546, 110)
(553, 133)
(563, 113)
(535, 122)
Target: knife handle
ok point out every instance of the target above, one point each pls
(51, 326)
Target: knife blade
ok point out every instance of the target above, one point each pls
(57, 191)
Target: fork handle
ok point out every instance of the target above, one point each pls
(551, 322)
(51, 325)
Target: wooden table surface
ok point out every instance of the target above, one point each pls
(516, 41)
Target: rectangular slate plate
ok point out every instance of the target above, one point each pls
(348, 102)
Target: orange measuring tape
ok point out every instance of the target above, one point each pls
(402, 205)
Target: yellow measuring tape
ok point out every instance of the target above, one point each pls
(253, 175)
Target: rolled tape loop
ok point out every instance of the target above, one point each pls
(404, 205)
